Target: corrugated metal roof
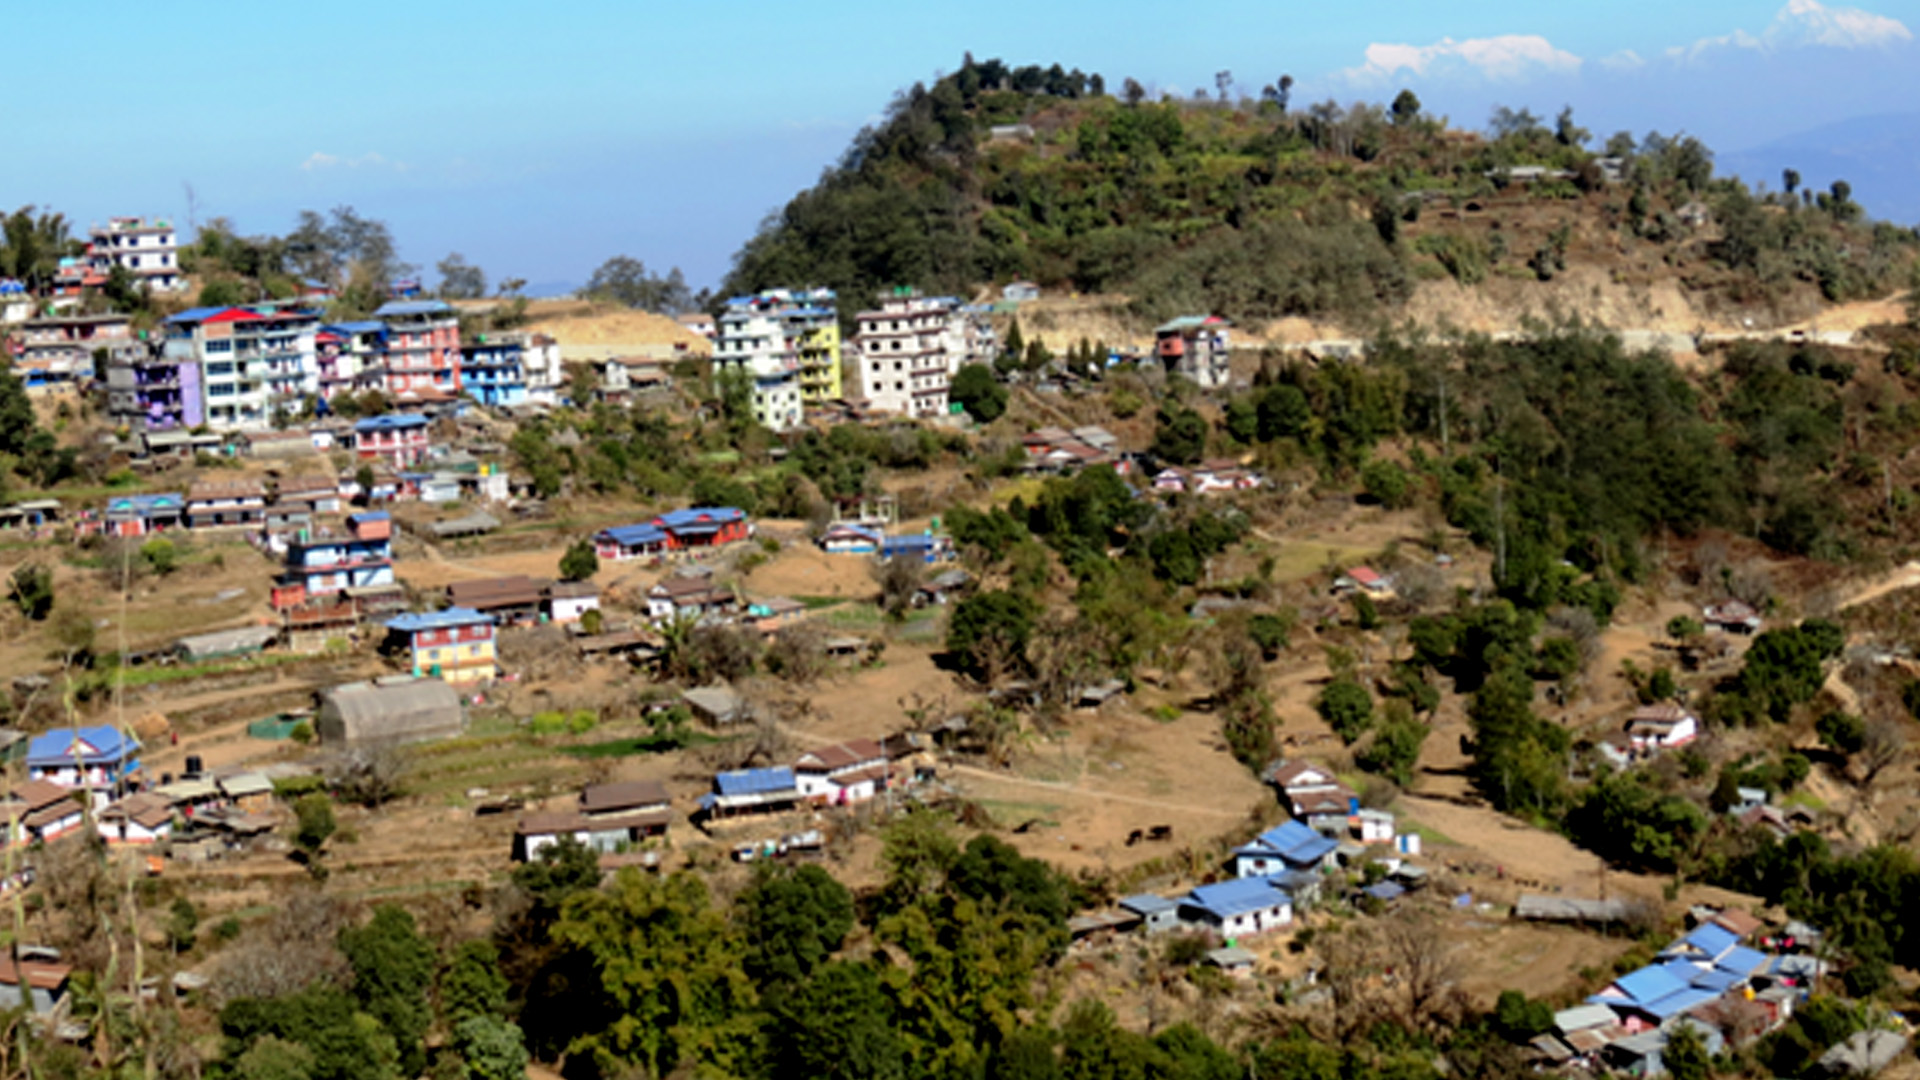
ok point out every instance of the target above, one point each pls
(412, 307)
(633, 535)
(754, 781)
(415, 621)
(1229, 898)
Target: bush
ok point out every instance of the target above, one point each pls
(1347, 708)
(160, 556)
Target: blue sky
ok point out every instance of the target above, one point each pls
(540, 139)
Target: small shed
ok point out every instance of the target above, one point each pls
(1233, 960)
(388, 712)
(241, 641)
(1157, 913)
(718, 704)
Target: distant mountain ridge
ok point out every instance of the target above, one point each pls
(1878, 155)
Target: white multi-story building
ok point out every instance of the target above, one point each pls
(540, 355)
(147, 248)
(909, 351)
(251, 364)
(754, 343)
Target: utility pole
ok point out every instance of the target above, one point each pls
(1440, 378)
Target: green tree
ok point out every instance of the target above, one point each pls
(1519, 1018)
(342, 1042)
(1405, 109)
(1685, 1055)
(837, 1023)
(990, 630)
(472, 985)
(1271, 631)
(669, 966)
(31, 589)
(976, 390)
(183, 924)
(490, 1048)
(1386, 483)
(461, 280)
(1395, 748)
(626, 280)
(314, 824)
(274, 1058)
(793, 920)
(1841, 732)
(580, 562)
(1347, 708)
(1174, 556)
(160, 556)
(393, 967)
(1179, 436)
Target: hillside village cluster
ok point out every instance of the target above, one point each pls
(227, 381)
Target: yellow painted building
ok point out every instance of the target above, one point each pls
(819, 349)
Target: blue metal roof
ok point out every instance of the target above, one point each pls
(634, 535)
(1716, 980)
(360, 326)
(412, 307)
(1741, 960)
(101, 744)
(195, 315)
(415, 621)
(698, 516)
(1237, 897)
(391, 422)
(1385, 890)
(1646, 984)
(145, 504)
(1679, 1001)
(1711, 939)
(1148, 904)
(1292, 842)
(369, 516)
(754, 781)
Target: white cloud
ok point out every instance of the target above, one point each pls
(1804, 23)
(319, 160)
(1506, 57)
(1624, 60)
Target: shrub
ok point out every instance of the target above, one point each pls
(1347, 708)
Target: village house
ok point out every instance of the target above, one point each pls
(1288, 847)
(456, 645)
(253, 365)
(320, 493)
(1731, 616)
(941, 587)
(1239, 907)
(399, 439)
(141, 818)
(46, 981)
(910, 348)
(676, 530)
(351, 357)
(717, 705)
(688, 598)
(41, 810)
(388, 712)
(1197, 347)
(214, 504)
(607, 818)
(842, 774)
(1309, 790)
(1662, 726)
(326, 564)
(149, 390)
(98, 758)
(569, 601)
(749, 791)
(846, 538)
(775, 613)
(514, 600)
(146, 248)
(143, 515)
(492, 369)
(1364, 579)
(421, 350)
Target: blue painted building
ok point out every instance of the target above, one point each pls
(493, 370)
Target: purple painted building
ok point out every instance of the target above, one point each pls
(150, 391)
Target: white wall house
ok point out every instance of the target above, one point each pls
(1239, 907)
(850, 772)
(147, 248)
(909, 351)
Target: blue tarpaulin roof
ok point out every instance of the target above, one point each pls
(754, 781)
(1385, 890)
(1229, 898)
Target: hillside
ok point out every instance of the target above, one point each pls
(1347, 216)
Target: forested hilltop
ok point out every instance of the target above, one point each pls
(1257, 209)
